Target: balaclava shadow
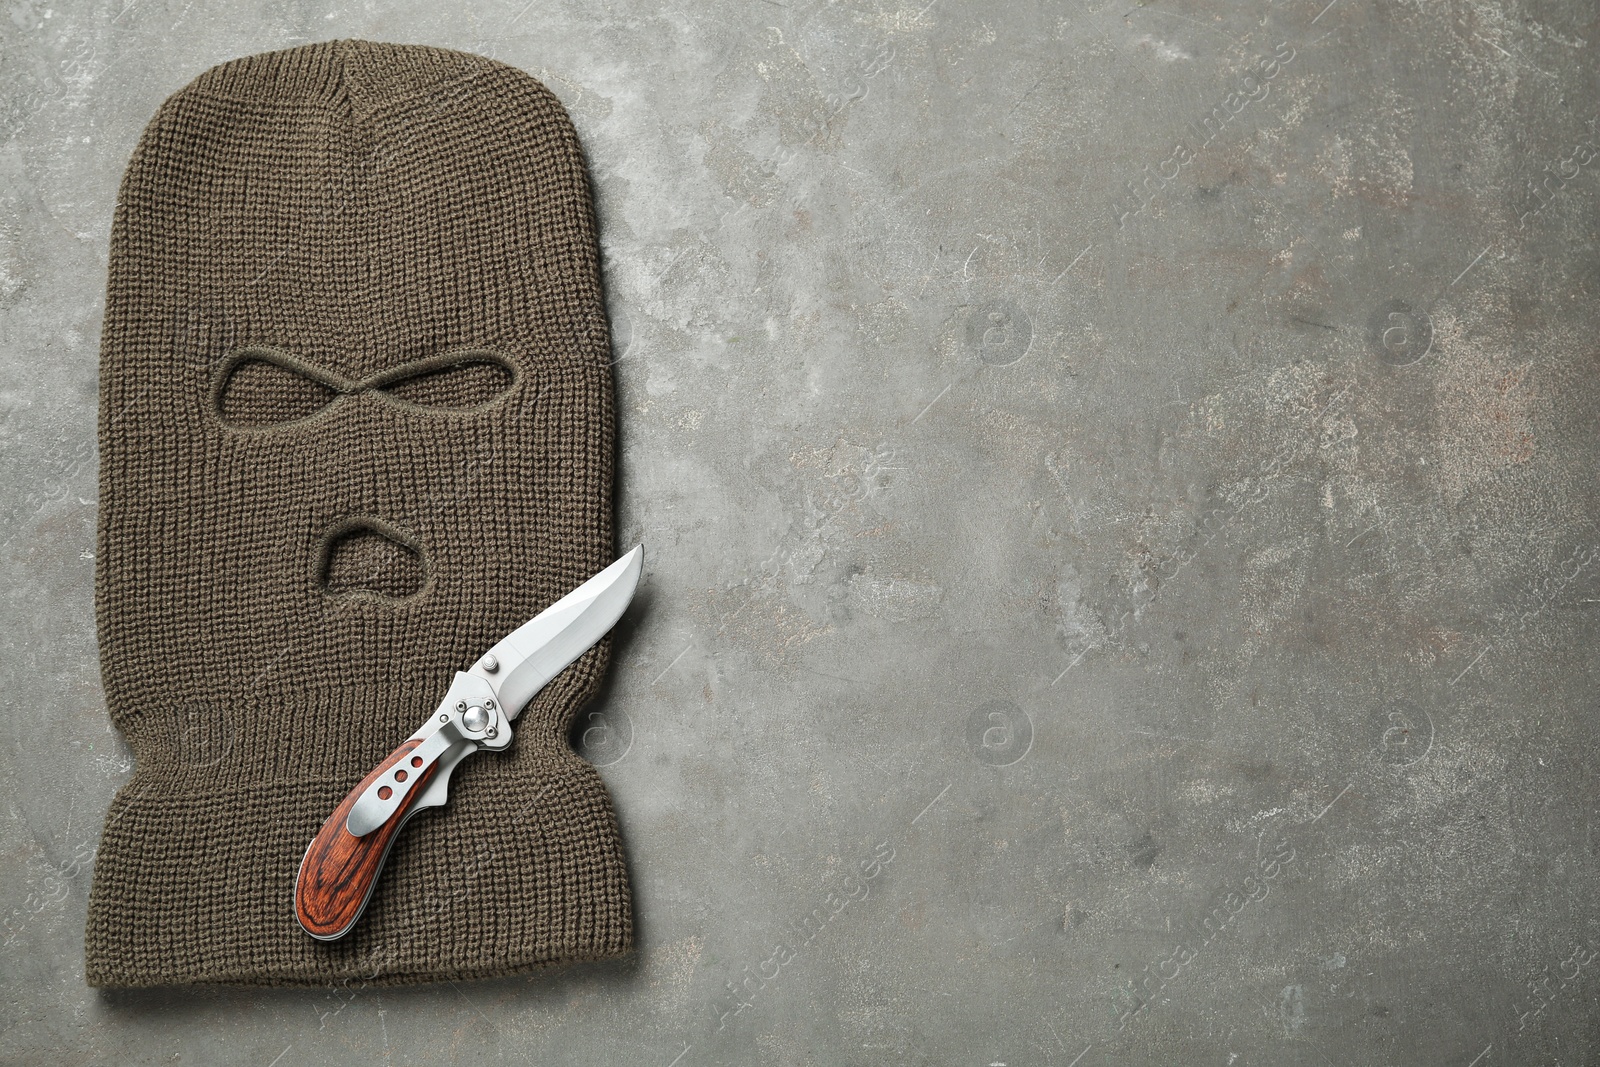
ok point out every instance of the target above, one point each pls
(355, 425)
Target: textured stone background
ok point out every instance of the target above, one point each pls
(1191, 585)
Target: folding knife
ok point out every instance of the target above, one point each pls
(341, 866)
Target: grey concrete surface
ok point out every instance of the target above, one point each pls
(1125, 473)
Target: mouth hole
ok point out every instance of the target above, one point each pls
(457, 381)
(365, 557)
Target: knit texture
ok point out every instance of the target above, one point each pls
(355, 425)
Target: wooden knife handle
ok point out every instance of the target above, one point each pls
(339, 869)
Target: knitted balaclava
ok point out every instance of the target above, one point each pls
(355, 426)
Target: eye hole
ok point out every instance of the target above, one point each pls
(462, 380)
(360, 558)
(259, 389)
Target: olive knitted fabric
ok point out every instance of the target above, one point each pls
(355, 425)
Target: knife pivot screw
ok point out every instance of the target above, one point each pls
(491, 664)
(475, 719)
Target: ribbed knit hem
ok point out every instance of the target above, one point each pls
(542, 835)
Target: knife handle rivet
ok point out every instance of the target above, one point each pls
(444, 717)
(490, 664)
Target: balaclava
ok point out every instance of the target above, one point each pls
(355, 426)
